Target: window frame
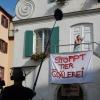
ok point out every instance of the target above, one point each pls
(3, 46)
(4, 21)
(82, 26)
(30, 44)
(43, 39)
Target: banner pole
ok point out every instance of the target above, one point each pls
(43, 58)
(58, 16)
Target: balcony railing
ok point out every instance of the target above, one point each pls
(67, 48)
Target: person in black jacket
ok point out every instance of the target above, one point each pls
(2, 83)
(17, 91)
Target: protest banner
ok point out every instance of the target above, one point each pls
(71, 68)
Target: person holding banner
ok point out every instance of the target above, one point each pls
(77, 43)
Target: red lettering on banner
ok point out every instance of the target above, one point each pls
(75, 57)
(72, 58)
(82, 55)
(57, 74)
(70, 74)
(66, 66)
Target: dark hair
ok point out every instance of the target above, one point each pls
(77, 36)
(17, 75)
(2, 83)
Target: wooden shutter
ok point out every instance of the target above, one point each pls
(28, 43)
(54, 42)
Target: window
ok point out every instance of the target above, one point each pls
(85, 30)
(42, 37)
(1, 72)
(3, 46)
(35, 42)
(4, 21)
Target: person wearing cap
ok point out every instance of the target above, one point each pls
(17, 91)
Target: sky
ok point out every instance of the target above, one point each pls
(9, 6)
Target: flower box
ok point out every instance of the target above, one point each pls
(38, 56)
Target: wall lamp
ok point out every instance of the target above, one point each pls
(11, 33)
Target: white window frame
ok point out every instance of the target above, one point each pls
(43, 38)
(82, 33)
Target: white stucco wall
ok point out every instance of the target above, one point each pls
(39, 8)
(49, 90)
(44, 90)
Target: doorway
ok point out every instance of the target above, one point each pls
(70, 92)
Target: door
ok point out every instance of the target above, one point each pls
(70, 92)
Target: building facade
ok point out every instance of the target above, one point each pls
(34, 21)
(5, 46)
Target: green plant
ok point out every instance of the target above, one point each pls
(37, 57)
(42, 56)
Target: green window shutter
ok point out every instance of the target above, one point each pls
(28, 43)
(54, 41)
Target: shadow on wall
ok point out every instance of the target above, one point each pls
(88, 4)
(49, 92)
(46, 91)
(97, 76)
(97, 50)
(33, 63)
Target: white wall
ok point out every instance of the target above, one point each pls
(44, 8)
(43, 85)
(64, 31)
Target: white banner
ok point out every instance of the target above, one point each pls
(71, 68)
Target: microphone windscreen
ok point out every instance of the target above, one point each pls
(58, 14)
